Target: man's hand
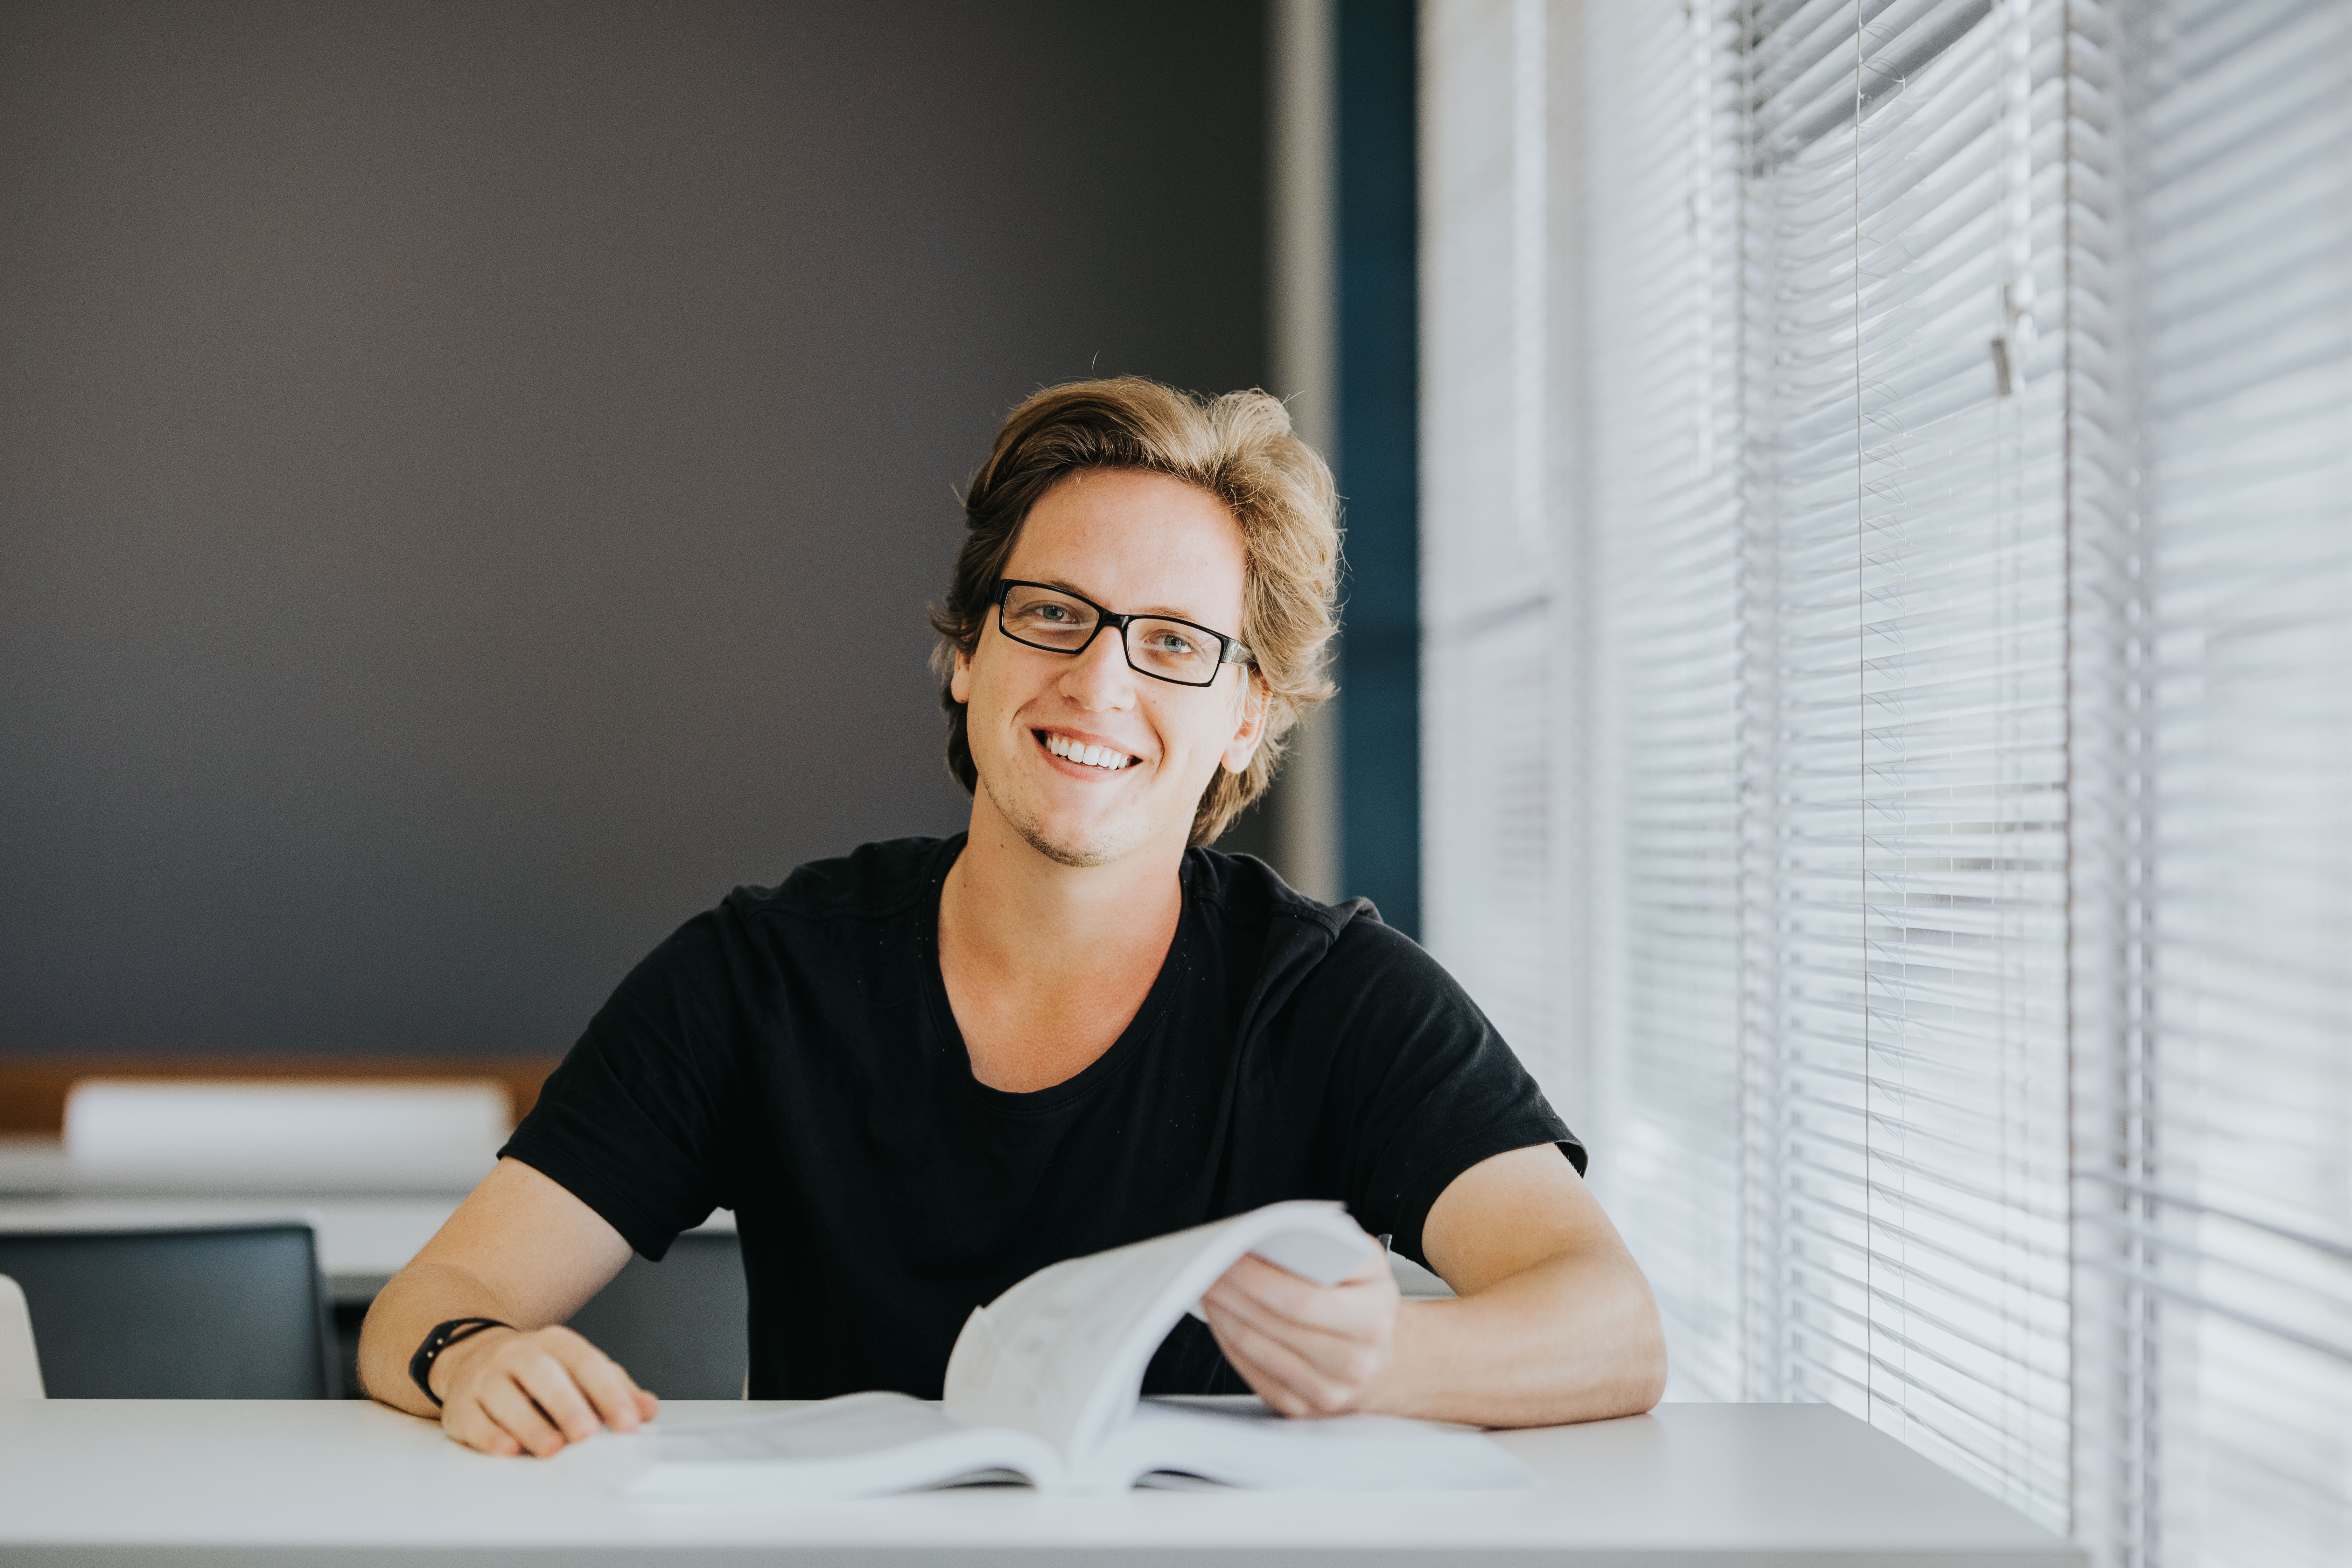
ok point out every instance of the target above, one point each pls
(523, 1250)
(506, 1391)
(1308, 1349)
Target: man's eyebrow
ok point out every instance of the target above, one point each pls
(1165, 612)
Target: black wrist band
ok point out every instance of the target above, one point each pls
(443, 1335)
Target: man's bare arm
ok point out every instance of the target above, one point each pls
(1553, 1321)
(524, 1251)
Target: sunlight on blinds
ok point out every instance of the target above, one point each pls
(1665, 557)
(1907, 994)
(2246, 247)
(2213, 418)
(1895, 786)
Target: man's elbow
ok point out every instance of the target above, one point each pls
(1637, 1372)
(1646, 1378)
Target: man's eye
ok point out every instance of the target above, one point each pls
(1172, 643)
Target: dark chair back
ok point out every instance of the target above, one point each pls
(679, 1326)
(231, 1311)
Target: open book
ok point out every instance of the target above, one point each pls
(1043, 1386)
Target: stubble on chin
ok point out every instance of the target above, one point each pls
(1024, 820)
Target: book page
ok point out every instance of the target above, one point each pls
(1062, 1355)
(1241, 1443)
(859, 1445)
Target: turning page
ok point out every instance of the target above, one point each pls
(1062, 1355)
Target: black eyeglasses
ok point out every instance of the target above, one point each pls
(1160, 647)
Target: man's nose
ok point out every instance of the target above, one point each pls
(1100, 677)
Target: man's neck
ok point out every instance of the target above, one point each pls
(1046, 964)
(1016, 911)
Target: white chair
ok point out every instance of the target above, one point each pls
(20, 1362)
(275, 1135)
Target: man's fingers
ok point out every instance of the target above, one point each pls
(553, 1387)
(1358, 1303)
(503, 1401)
(1282, 1377)
(1331, 1327)
(1234, 1340)
(1308, 1349)
(615, 1399)
(1333, 1320)
(1273, 1348)
(1278, 1397)
(1332, 1357)
(533, 1392)
(1277, 1289)
(470, 1424)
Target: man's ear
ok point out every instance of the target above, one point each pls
(959, 679)
(1243, 745)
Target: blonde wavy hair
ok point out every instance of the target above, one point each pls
(1238, 447)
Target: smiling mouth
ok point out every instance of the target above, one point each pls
(1069, 750)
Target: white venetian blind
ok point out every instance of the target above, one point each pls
(2220, 1207)
(1894, 780)
(1662, 603)
(1904, 763)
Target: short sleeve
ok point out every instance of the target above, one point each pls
(1424, 1087)
(633, 1122)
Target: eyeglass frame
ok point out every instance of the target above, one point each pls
(1230, 650)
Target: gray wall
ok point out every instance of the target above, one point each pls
(471, 475)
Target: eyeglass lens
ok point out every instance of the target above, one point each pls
(1168, 649)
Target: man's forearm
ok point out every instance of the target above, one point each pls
(1575, 1338)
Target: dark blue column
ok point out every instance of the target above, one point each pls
(1380, 376)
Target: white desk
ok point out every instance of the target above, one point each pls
(159, 1482)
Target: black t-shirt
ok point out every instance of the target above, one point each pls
(792, 1055)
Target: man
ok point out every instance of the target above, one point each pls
(920, 1073)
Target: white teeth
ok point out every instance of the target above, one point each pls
(1092, 756)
